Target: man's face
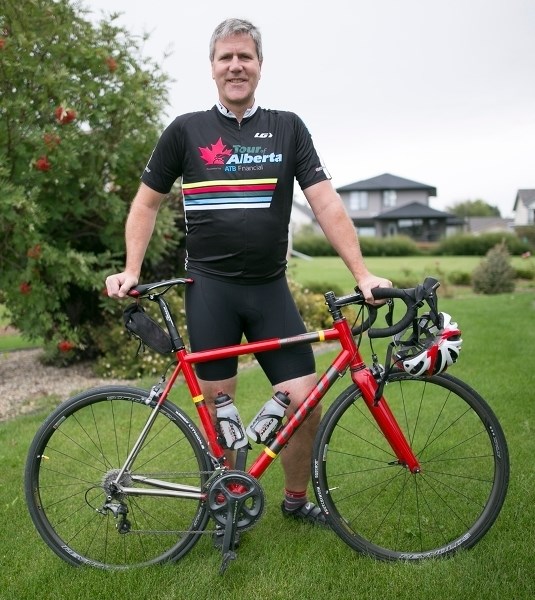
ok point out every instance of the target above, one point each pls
(236, 71)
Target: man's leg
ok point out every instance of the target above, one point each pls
(296, 457)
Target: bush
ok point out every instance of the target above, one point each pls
(494, 275)
(527, 234)
(311, 243)
(479, 245)
(399, 245)
(80, 113)
(460, 278)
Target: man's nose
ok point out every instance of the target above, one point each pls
(235, 64)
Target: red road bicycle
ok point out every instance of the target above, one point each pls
(120, 477)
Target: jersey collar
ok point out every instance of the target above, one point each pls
(230, 115)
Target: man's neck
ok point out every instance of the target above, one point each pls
(236, 112)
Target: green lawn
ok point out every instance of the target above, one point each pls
(286, 560)
(401, 270)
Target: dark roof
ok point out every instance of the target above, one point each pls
(386, 181)
(414, 210)
(527, 197)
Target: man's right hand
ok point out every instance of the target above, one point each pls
(120, 284)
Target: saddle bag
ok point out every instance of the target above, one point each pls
(145, 329)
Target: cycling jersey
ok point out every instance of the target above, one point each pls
(237, 184)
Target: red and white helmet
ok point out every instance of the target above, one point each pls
(428, 350)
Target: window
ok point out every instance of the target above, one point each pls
(389, 198)
(358, 200)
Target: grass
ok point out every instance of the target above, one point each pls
(399, 269)
(278, 559)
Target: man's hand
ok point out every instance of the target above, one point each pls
(120, 284)
(368, 282)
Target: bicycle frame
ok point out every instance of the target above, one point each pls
(349, 357)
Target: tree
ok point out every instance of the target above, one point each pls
(474, 208)
(80, 113)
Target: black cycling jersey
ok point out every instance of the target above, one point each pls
(237, 183)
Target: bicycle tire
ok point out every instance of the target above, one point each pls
(76, 451)
(377, 506)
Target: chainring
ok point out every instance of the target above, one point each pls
(236, 493)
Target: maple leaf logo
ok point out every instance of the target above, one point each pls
(215, 155)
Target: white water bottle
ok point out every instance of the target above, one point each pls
(268, 418)
(229, 422)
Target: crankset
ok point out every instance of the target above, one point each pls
(236, 502)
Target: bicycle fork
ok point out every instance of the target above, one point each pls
(384, 418)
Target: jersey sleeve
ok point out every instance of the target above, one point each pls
(309, 167)
(165, 163)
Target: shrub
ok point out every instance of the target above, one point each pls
(460, 278)
(479, 245)
(527, 272)
(312, 243)
(527, 234)
(494, 275)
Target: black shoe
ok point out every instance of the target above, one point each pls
(307, 513)
(219, 535)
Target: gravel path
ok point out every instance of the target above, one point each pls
(24, 379)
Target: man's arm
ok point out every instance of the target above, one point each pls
(138, 232)
(332, 216)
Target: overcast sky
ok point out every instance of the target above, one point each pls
(440, 92)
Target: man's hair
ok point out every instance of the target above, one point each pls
(231, 27)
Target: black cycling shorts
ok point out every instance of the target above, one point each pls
(220, 313)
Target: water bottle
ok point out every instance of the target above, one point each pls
(229, 421)
(268, 418)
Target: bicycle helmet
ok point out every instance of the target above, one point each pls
(425, 349)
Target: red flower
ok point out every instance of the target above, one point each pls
(51, 139)
(64, 115)
(2, 43)
(34, 252)
(25, 288)
(112, 64)
(42, 164)
(65, 346)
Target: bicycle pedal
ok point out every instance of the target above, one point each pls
(227, 557)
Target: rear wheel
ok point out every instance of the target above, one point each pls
(378, 506)
(74, 460)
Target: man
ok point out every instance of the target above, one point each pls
(238, 163)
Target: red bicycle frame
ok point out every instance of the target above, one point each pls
(349, 357)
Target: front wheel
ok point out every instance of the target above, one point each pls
(76, 457)
(379, 507)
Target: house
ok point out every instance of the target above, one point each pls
(389, 205)
(524, 208)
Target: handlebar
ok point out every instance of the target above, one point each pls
(413, 298)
